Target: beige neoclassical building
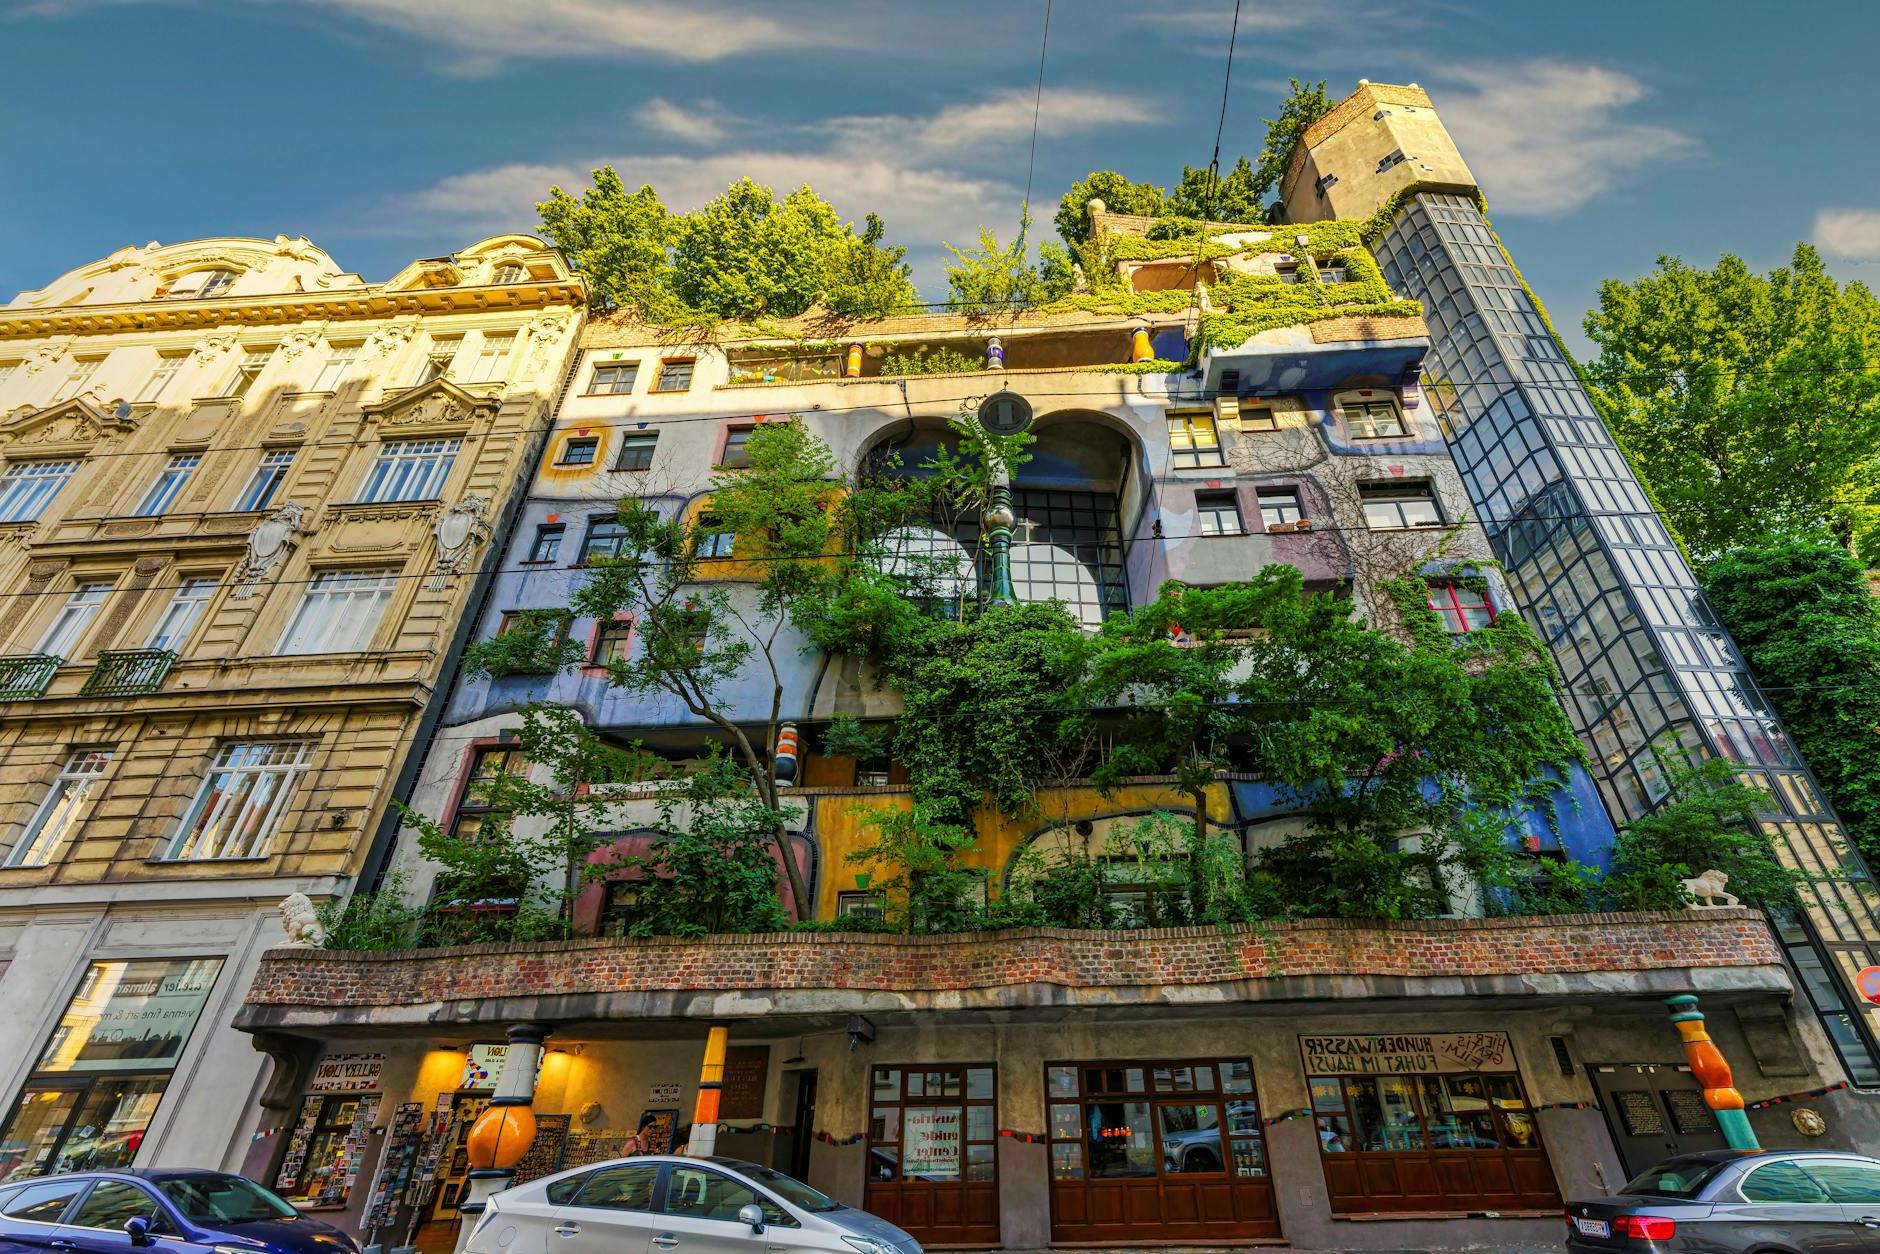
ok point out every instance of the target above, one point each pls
(246, 500)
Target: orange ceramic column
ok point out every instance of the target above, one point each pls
(711, 1079)
(504, 1131)
(1713, 1072)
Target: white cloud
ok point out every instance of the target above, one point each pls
(1007, 116)
(1545, 137)
(1851, 233)
(705, 123)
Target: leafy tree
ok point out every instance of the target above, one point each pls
(1304, 105)
(620, 240)
(1706, 824)
(990, 278)
(1748, 401)
(1803, 614)
(1236, 196)
(917, 870)
(1118, 194)
(710, 869)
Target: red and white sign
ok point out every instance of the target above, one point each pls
(1868, 981)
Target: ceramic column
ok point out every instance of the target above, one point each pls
(1713, 1072)
(711, 1079)
(504, 1131)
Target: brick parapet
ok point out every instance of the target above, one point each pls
(1561, 945)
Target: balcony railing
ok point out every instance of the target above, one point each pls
(127, 672)
(24, 676)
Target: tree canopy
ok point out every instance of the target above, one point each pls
(1747, 401)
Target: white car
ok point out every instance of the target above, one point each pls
(664, 1204)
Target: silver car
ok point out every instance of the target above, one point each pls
(1738, 1202)
(664, 1204)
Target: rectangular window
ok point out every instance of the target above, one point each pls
(168, 364)
(169, 484)
(1218, 513)
(737, 455)
(328, 1139)
(612, 642)
(27, 487)
(62, 810)
(708, 540)
(547, 545)
(1463, 609)
(82, 370)
(339, 612)
(675, 375)
(1287, 271)
(253, 362)
(1256, 417)
(68, 626)
(1280, 509)
(438, 358)
(179, 617)
(492, 357)
(242, 803)
(410, 470)
(1398, 506)
(606, 537)
(579, 451)
(1193, 440)
(259, 491)
(636, 451)
(1334, 272)
(339, 364)
(860, 905)
(481, 802)
(614, 378)
(1372, 420)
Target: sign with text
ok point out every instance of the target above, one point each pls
(347, 1073)
(1408, 1053)
(747, 1068)
(930, 1143)
(664, 1094)
(131, 1016)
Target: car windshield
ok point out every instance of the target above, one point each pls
(209, 1197)
(1680, 1177)
(789, 1189)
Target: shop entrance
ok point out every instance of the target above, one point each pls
(933, 1164)
(1158, 1151)
(1655, 1113)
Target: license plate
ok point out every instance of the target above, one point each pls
(1592, 1227)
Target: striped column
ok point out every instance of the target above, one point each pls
(711, 1080)
(504, 1131)
(1713, 1072)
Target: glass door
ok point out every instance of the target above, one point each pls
(32, 1136)
(933, 1152)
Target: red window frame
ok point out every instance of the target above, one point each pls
(1454, 602)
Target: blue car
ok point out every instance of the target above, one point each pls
(167, 1212)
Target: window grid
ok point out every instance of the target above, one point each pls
(1218, 514)
(1463, 609)
(62, 810)
(675, 375)
(492, 357)
(338, 365)
(1280, 508)
(736, 455)
(636, 451)
(240, 806)
(1399, 507)
(580, 451)
(69, 624)
(169, 484)
(82, 370)
(1068, 547)
(1193, 440)
(1372, 420)
(606, 537)
(27, 487)
(180, 615)
(259, 491)
(613, 378)
(168, 364)
(253, 362)
(339, 612)
(547, 544)
(410, 470)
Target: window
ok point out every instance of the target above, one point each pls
(169, 484)
(1372, 420)
(516, 620)
(547, 545)
(709, 541)
(1287, 271)
(438, 358)
(696, 1193)
(1139, 1120)
(1397, 506)
(1255, 417)
(492, 357)
(1334, 272)
(605, 538)
(579, 451)
(1218, 514)
(62, 810)
(185, 607)
(339, 612)
(68, 626)
(339, 364)
(1393, 157)
(259, 491)
(613, 378)
(628, 1187)
(636, 451)
(198, 284)
(737, 454)
(242, 802)
(1280, 509)
(44, 1203)
(1463, 609)
(82, 370)
(1848, 1181)
(247, 370)
(1193, 440)
(1782, 1183)
(322, 1146)
(612, 642)
(860, 905)
(26, 487)
(111, 1203)
(168, 364)
(675, 375)
(410, 470)
(508, 272)
(480, 803)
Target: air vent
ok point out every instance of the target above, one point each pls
(1562, 1058)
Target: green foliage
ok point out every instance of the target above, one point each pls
(744, 254)
(378, 920)
(1706, 824)
(1236, 196)
(845, 737)
(535, 643)
(915, 862)
(1804, 617)
(991, 278)
(1748, 401)
(1118, 194)
(941, 360)
(1304, 105)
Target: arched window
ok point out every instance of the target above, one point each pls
(198, 284)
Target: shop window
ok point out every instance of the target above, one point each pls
(675, 374)
(1193, 440)
(546, 546)
(1463, 609)
(933, 1131)
(580, 451)
(1399, 506)
(328, 1139)
(636, 451)
(1218, 514)
(736, 455)
(614, 378)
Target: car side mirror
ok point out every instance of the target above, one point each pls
(139, 1229)
(752, 1215)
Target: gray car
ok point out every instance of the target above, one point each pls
(1739, 1202)
(665, 1204)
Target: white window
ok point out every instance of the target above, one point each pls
(1397, 507)
(200, 283)
(410, 470)
(68, 626)
(82, 370)
(62, 810)
(492, 357)
(167, 366)
(27, 487)
(1280, 508)
(169, 484)
(185, 607)
(266, 481)
(1218, 513)
(241, 804)
(339, 612)
(1372, 420)
(438, 358)
(339, 364)
(508, 272)
(253, 362)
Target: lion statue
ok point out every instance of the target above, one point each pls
(301, 922)
(1708, 890)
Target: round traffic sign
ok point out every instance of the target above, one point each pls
(1868, 981)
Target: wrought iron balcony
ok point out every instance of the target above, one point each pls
(127, 672)
(24, 676)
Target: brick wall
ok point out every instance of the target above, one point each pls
(1564, 944)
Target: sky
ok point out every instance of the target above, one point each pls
(1604, 134)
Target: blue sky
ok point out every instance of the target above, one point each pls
(1604, 133)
